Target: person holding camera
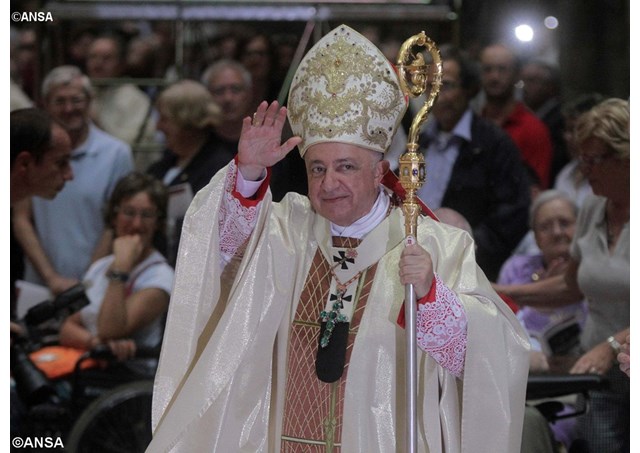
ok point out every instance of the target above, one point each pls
(40, 153)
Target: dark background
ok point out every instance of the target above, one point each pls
(591, 43)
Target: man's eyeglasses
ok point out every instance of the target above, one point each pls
(145, 214)
(589, 161)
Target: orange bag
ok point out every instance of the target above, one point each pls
(59, 361)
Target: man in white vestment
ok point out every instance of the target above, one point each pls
(285, 329)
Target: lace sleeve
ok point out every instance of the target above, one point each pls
(237, 217)
(441, 325)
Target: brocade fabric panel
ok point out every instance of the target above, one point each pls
(313, 409)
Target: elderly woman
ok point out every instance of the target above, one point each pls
(552, 219)
(187, 118)
(128, 290)
(553, 331)
(599, 271)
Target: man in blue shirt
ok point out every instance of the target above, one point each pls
(60, 236)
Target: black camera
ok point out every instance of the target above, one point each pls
(32, 385)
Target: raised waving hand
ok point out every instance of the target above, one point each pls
(260, 144)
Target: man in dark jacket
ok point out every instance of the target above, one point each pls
(474, 167)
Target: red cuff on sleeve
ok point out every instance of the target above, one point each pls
(510, 302)
(259, 195)
(429, 297)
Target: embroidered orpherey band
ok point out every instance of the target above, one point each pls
(334, 316)
(316, 382)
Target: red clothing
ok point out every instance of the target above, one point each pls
(532, 137)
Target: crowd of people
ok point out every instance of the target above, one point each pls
(253, 233)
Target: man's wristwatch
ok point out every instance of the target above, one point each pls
(615, 345)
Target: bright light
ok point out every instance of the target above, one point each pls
(551, 22)
(524, 33)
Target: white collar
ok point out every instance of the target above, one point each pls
(366, 223)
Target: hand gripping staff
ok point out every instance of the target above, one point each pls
(415, 74)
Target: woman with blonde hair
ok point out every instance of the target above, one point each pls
(188, 116)
(599, 271)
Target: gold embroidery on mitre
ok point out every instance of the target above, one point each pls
(345, 90)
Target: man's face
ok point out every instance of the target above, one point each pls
(103, 60)
(255, 58)
(47, 177)
(498, 69)
(452, 100)
(536, 88)
(343, 180)
(231, 93)
(69, 105)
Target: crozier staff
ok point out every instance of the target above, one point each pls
(289, 337)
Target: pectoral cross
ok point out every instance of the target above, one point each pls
(334, 316)
(339, 297)
(343, 259)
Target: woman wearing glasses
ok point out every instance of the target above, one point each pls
(552, 218)
(554, 332)
(128, 290)
(598, 271)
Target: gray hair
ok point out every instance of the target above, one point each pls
(219, 65)
(545, 197)
(65, 75)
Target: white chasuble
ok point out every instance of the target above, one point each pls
(223, 377)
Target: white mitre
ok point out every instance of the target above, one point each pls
(346, 91)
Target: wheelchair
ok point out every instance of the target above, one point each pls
(546, 397)
(89, 410)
